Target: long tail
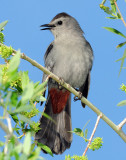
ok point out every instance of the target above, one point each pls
(56, 135)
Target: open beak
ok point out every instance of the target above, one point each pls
(47, 26)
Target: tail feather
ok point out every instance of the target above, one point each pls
(56, 135)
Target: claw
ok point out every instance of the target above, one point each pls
(61, 82)
(76, 98)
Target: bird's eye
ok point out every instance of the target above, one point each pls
(60, 22)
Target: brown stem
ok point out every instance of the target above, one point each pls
(122, 124)
(92, 135)
(24, 132)
(120, 13)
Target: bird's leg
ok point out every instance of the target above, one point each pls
(76, 98)
(61, 82)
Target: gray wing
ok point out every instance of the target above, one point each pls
(48, 51)
(85, 88)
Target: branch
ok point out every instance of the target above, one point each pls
(120, 13)
(5, 128)
(72, 90)
(92, 135)
(122, 124)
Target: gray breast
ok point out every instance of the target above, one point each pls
(72, 65)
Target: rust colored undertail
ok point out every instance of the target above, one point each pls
(58, 99)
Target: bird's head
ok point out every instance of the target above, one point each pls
(62, 24)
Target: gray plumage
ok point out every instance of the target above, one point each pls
(70, 57)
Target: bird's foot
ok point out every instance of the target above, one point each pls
(76, 98)
(61, 82)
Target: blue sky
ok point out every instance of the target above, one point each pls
(23, 32)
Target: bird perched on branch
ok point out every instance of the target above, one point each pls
(69, 57)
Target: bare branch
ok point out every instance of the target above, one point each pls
(6, 130)
(122, 124)
(92, 135)
(120, 13)
(9, 123)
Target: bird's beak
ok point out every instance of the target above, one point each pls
(47, 26)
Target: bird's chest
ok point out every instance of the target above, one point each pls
(70, 64)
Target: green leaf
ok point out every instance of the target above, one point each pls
(23, 157)
(45, 148)
(1, 37)
(119, 16)
(1, 143)
(14, 62)
(23, 108)
(122, 103)
(15, 118)
(1, 72)
(41, 98)
(86, 132)
(5, 51)
(36, 84)
(3, 24)
(35, 154)
(25, 79)
(76, 157)
(86, 124)
(27, 93)
(114, 31)
(122, 61)
(111, 17)
(78, 132)
(106, 9)
(27, 144)
(39, 90)
(8, 97)
(40, 87)
(48, 117)
(96, 143)
(18, 148)
(14, 98)
(25, 119)
(113, 6)
(120, 45)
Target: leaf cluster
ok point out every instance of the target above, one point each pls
(75, 157)
(112, 10)
(122, 103)
(21, 151)
(96, 142)
(18, 95)
(1, 29)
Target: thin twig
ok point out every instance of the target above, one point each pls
(35, 104)
(6, 130)
(9, 123)
(103, 2)
(92, 135)
(120, 13)
(24, 132)
(122, 124)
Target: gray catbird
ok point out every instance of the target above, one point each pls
(70, 57)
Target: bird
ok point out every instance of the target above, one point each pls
(70, 57)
